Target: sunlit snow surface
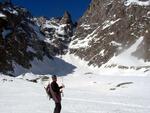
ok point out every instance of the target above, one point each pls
(87, 90)
(138, 2)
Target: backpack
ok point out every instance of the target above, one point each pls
(48, 91)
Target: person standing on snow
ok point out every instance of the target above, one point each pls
(56, 93)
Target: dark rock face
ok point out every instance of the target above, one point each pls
(66, 19)
(57, 30)
(19, 43)
(22, 40)
(109, 27)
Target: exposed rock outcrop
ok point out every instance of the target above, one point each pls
(23, 38)
(110, 27)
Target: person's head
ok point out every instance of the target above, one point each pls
(54, 77)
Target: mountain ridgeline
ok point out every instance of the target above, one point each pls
(111, 33)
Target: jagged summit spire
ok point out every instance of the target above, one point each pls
(67, 14)
(66, 19)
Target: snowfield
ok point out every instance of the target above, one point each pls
(85, 94)
(86, 91)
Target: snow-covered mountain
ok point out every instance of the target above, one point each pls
(57, 30)
(114, 34)
(24, 39)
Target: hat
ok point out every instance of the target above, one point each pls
(54, 76)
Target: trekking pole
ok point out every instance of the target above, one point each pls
(63, 85)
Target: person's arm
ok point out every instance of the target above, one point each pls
(63, 86)
(60, 87)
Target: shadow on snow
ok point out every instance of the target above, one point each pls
(48, 66)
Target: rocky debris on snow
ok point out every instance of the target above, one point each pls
(124, 83)
(34, 78)
(88, 73)
(45, 78)
(6, 80)
(39, 79)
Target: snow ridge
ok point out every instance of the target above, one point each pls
(137, 2)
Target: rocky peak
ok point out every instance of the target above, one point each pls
(41, 20)
(58, 31)
(66, 19)
(111, 27)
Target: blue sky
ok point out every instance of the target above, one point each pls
(55, 8)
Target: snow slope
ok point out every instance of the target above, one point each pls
(84, 94)
(86, 91)
(47, 66)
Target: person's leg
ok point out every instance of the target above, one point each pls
(57, 108)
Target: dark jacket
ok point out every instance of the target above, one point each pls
(56, 90)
